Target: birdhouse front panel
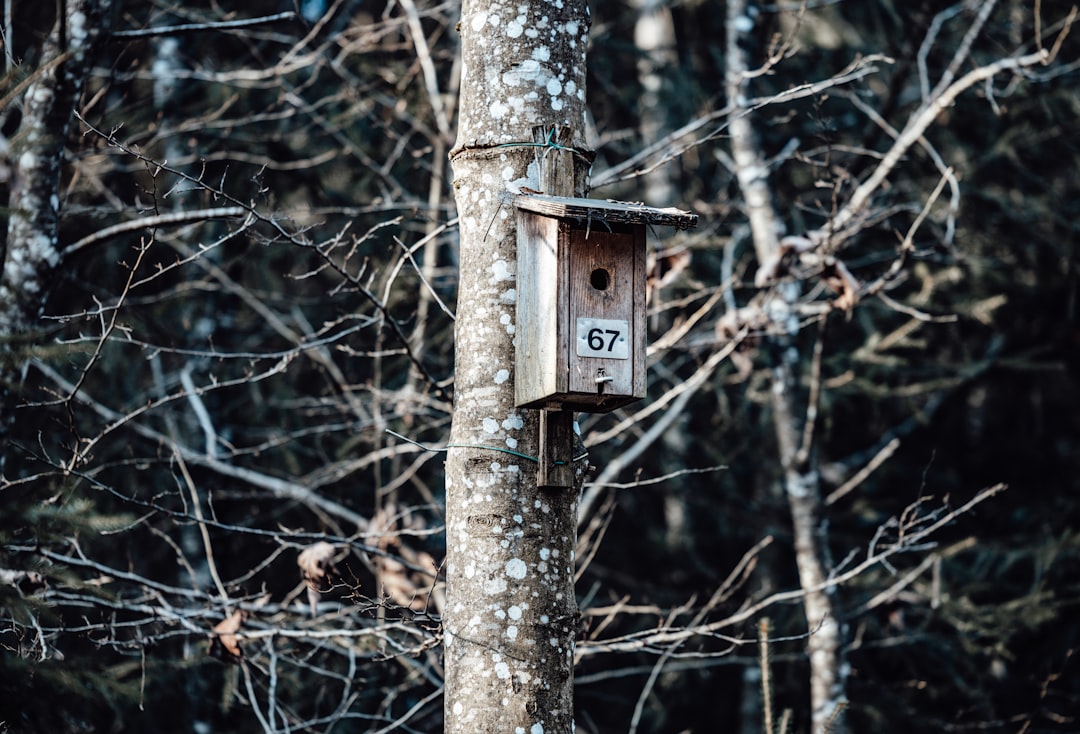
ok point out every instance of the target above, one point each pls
(606, 315)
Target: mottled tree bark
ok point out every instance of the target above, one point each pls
(31, 253)
(511, 614)
(801, 482)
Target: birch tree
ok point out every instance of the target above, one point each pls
(800, 479)
(511, 615)
(785, 265)
(31, 252)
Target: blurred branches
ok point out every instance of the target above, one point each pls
(249, 274)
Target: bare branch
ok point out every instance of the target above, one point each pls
(650, 639)
(158, 220)
(916, 126)
(219, 25)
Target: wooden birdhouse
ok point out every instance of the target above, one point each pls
(581, 301)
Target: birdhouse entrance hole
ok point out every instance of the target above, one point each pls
(600, 279)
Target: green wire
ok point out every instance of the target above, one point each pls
(465, 446)
(549, 144)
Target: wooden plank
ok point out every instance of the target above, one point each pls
(556, 466)
(605, 210)
(640, 383)
(539, 351)
(607, 257)
(556, 460)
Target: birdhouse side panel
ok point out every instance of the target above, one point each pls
(537, 374)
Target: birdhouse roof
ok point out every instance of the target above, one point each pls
(605, 210)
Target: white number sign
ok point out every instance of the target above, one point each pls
(609, 338)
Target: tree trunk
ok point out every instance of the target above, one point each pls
(654, 37)
(31, 253)
(511, 614)
(168, 86)
(800, 479)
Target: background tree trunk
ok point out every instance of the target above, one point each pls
(169, 82)
(511, 615)
(801, 483)
(654, 37)
(31, 252)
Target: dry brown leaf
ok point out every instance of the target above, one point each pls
(796, 255)
(778, 264)
(403, 586)
(224, 643)
(663, 268)
(316, 563)
(840, 280)
(25, 581)
(397, 582)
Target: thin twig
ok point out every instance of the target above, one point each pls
(222, 25)
(986, 7)
(420, 272)
(158, 220)
(202, 415)
(861, 476)
(913, 131)
(802, 456)
(928, 43)
(106, 331)
(253, 699)
(637, 641)
(660, 479)
(766, 676)
(431, 79)
(196, 506)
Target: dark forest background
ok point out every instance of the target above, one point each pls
(207, 394)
